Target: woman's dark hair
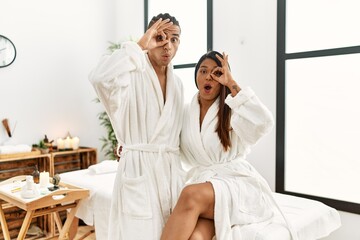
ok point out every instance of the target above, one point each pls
(163, 16)
(224, 114)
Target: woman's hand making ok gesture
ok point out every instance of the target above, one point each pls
(223, 75)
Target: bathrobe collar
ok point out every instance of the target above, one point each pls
(197, 134)
(171, 96)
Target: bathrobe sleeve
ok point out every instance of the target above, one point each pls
(112, 75)
(250, 118)
(129, 58)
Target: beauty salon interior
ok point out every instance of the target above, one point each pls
(302, 58)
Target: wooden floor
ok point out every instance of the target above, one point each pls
(85, 233)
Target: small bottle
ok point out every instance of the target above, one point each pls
(29, 190)
(36, 174)
(29, 182)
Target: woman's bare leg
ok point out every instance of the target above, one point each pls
(204, 230)
(197, 200)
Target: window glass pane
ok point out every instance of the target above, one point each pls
(322, 126)
(188, 79)
(321, 24)
(193, 23)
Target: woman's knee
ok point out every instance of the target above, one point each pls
(190, 198)
(196, 196)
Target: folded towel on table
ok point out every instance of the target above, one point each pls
(20, 148)
(105, 166)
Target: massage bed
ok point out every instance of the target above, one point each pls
(309, 218)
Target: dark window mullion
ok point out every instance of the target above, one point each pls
(209, 25)
(187, 65)
(280, 99)
(324, 53)
(146, 14)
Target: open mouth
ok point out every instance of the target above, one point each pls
(207, 87)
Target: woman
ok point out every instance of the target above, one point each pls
(224, 193)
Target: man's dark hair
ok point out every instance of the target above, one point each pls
(163, 16)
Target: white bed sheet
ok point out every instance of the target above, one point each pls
(95, 209)
(309, 218)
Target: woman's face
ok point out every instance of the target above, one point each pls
(209, 89)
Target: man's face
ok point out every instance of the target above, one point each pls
(161, 56)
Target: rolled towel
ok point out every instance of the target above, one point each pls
(20, 148)
(105, 166)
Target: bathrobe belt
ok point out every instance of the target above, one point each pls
(163, 168)
(214, 169)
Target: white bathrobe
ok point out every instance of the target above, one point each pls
(242, 196)
(148, 179)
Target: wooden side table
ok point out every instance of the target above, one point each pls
(66, 197)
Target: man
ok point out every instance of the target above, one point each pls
(144, 100)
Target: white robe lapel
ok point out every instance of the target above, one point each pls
(197, 141)
(209, 117)
(156, 84)
(170, 105)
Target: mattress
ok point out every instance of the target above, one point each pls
(309, 218)
(95, 209)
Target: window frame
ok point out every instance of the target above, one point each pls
(282, 57)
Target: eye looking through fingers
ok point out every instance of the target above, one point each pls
(159, 38)
(217, 73)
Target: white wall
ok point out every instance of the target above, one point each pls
(46, 90)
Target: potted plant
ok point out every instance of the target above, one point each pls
(42, 147)
(109, 142)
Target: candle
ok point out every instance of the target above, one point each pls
(67, 143)
(75, 143)
(60, 144)
(44, 179)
